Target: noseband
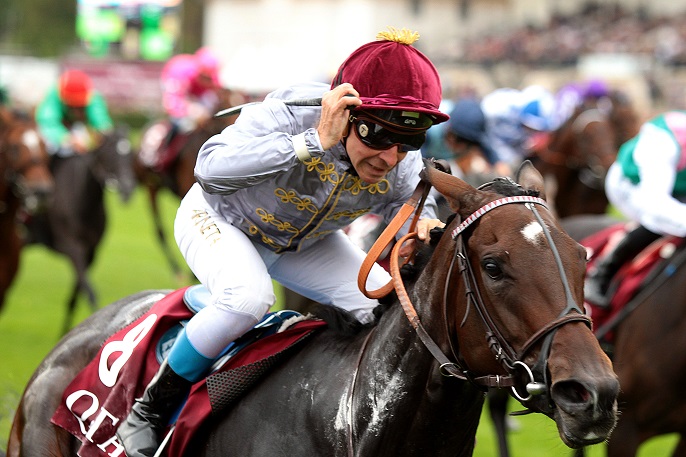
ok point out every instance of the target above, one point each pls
(510, 359)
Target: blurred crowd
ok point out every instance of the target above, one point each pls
(596, 29)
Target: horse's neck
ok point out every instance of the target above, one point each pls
(400, 384)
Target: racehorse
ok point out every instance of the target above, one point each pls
(75, 221)
(647, 353)
(646, 350)
(494, 301)
(176, 175)
(580, 152)
(25, 186)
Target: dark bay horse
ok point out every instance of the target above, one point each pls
(647, 356)
(648, 349)
(177, 175)
(413, 383)
(75, 221)
(25, 187)
(580, 152)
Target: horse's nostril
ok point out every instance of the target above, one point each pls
(571, 393)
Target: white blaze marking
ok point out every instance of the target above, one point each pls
(532, 232)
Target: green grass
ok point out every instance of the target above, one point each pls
(129, 261)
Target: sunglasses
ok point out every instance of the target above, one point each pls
(381, 136)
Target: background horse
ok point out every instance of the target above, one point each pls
(378, 390)
(648, 355)
(580, 152)
(75, 221)
(177, 175)
(25, 186)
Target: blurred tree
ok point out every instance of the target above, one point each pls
(43, 28)
(191, 38)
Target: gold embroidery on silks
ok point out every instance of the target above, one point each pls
(207, 228)
(343, 182)
(301, 204)
(326, 171)
(269, 218)
(254, 230)
(355, 186)
(313, 235)
(347, 213)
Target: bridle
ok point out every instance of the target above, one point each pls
(504, 353)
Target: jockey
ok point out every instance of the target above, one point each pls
(514, 121)
(647, 183)
(189, 90)
(573, 95)
(72, 115)
(274, 191)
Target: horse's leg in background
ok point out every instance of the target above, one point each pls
(81, 284)
(80, 261)
(497, 407)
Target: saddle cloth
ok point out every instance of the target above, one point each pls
(101, 395)
(629, 279)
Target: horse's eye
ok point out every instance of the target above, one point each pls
(492, 269)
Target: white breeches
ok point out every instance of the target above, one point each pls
(658, 212)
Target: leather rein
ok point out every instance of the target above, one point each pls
(510, 359)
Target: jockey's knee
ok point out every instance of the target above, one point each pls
(254, 299)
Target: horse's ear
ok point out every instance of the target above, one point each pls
(455, 190)
(529, 178)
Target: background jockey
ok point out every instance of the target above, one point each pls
(73, 115)
(647, 183)
(516, 121)
(189, 91)
(573, 95)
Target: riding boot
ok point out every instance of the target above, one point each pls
(597, 285)
(142, 430)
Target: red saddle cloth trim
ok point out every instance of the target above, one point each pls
(101, 395)
(632, 274)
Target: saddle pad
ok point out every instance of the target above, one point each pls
(630, 277)
(101, 395)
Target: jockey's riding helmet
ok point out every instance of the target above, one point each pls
(396, 82)
(75, 88)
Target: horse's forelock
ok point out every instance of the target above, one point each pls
(507, 188)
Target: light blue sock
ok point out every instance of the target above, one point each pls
(186, 361)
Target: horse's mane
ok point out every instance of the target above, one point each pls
(508, 188)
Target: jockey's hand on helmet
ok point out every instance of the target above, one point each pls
(333, 124)
(424, 226)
